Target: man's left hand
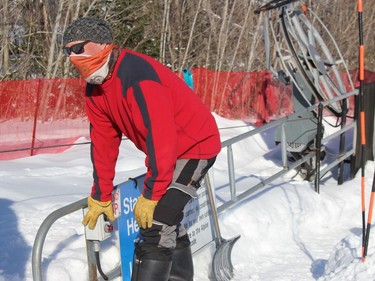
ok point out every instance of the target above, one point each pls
(144, 211)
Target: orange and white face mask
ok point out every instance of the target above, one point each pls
(89, 64)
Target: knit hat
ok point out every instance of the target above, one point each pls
(87, 28)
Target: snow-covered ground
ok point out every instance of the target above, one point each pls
(288, 231)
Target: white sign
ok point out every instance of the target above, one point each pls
(198, 220)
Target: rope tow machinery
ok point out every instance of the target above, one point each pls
(313, 70)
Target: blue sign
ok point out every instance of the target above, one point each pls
(197, 221)
(125, 197)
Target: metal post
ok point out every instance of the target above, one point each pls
(340, 176)
(283, 146)
(232, 179)
(91, 261)
(318, 147)
(32, 151)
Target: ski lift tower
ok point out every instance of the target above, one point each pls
(310, 66)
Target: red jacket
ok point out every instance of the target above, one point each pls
(158, 112)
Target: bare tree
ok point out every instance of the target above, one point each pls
(5, 32)
(190, 36)
(220, 35)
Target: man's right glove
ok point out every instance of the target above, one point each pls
(96, 208)
(144, 211)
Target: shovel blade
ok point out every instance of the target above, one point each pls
(222, 267)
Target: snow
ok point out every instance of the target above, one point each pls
(288, 231)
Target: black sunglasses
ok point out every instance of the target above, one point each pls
(76, 48)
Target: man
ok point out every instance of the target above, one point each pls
(133, 95)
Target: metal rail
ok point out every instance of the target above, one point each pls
(228, 144)
(36, 260)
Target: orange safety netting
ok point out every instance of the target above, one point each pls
(254, 97)
(43, 114)
(48, 115)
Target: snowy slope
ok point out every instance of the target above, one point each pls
(288, 231)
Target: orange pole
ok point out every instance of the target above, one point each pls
(362, 129)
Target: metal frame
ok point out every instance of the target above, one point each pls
(300, 47)
(228, 144)
(36, 260)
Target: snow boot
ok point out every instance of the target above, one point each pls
(151, 270)
(182, 261)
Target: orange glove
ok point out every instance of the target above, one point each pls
(96, 208)
(144, 211)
